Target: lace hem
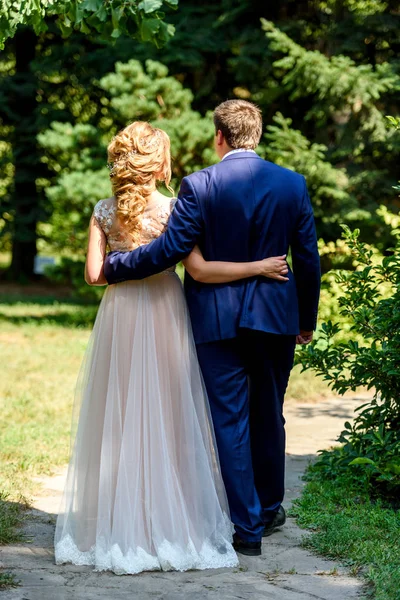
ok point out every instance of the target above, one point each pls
(170, 557)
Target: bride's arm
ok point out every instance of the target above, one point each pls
(224, 272)
(96, 252)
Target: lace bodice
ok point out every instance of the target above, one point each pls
(154, 223)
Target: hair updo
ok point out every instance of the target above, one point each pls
(138, 156)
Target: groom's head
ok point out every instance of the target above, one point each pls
(238, 124)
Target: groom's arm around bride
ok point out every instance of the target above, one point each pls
(240, 210)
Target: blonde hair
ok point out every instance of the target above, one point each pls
(138, 156)
(240, 123)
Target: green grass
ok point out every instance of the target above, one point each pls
(348, 526)
(11, 516)
(43, 343)
(8, 580)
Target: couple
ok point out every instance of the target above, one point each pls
(180, 431)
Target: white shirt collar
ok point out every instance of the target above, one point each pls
(237, 150)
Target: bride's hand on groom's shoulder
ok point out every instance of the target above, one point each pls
(275, 267)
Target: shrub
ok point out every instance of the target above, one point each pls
(370, 451)
(70, 272)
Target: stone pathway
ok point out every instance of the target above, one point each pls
(285, 571)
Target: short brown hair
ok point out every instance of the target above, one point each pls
(240, 123)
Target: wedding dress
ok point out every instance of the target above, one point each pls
(144, 489)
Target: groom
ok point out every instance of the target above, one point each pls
(242, 209)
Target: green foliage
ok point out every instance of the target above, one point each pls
(8, 580)
(10, 523)
(143, 20)
(348, 526)
(10, 520)
(70, 272)
(368, 456)
(336, 83)
(337, 130)
(328, 186)
(395, 123)
(371, 301)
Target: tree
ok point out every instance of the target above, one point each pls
(340, 105)
(17, 112)
(142, 20)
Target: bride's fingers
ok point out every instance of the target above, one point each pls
(281, 278)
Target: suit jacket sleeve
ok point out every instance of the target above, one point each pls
(184, 228)
(306, 265)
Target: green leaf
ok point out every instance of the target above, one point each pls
(84, 28)
(149, 28)
(92, 5)
(149, 6)
(64, 27)
(116, 33)
(393, 468)
(116, 15)
(102, 14)
(362, 460)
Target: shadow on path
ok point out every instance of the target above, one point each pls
(285, 571)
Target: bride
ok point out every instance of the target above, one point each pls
(144, 488)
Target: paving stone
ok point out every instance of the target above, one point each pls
(321, 587)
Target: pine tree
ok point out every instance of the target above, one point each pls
(339, 104)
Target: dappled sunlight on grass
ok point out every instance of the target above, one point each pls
(42, 349)
(46, 311)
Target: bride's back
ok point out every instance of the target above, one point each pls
(153, 221)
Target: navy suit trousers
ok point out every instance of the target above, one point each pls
(246, 379)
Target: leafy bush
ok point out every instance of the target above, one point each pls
(370, 451)
(70, 272)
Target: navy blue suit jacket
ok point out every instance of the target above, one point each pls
(241, 209)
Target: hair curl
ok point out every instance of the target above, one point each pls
(139, 155)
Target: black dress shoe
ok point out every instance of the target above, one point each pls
(248, 548)
(277, 521)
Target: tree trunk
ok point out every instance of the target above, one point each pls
(25, 200)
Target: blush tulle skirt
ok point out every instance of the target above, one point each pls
(144, 489)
